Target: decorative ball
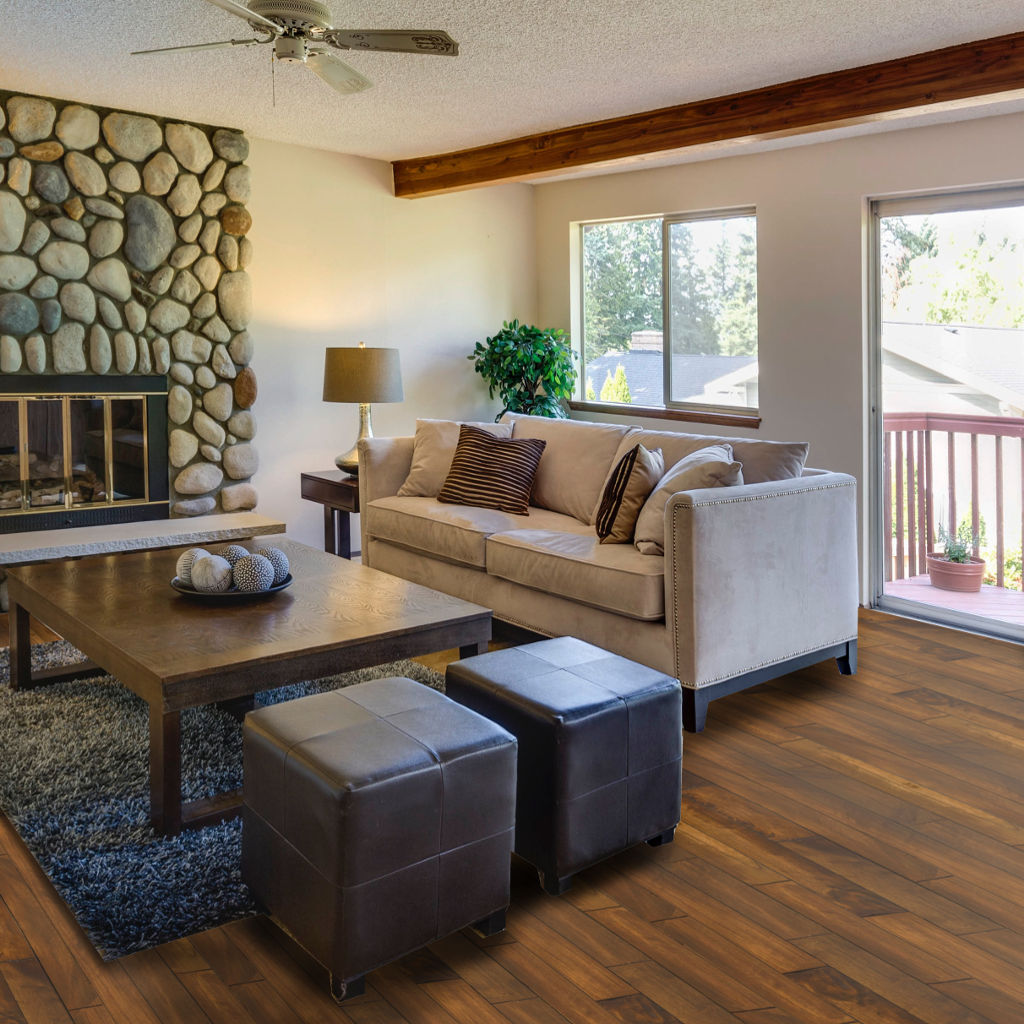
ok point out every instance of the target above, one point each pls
(233, 552)
(185, 562)
(211, 574)
(279, 560)
(253, 574)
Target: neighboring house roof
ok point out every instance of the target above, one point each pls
(989, 360)
(692, 375)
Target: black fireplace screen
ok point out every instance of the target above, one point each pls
(86, 444)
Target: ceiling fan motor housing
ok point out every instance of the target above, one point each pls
(296, 15)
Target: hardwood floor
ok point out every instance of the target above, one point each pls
(851, 849)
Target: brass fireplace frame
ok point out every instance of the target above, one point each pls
(153, 503)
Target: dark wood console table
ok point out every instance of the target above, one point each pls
(339, 494)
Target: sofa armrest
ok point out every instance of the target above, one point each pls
(384, 463)
(760, 573)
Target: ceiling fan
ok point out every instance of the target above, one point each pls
(298, 30)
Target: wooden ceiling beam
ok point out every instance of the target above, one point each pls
(956, 75)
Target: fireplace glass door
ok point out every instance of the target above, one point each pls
(11, 491)
(44, 421)
(88, 451)
(72, 451)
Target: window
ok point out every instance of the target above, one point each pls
(695, 276)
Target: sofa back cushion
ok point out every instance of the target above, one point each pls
(433, 448)
(576, 463)
(711, 466)
(762, 460)
(492, 472)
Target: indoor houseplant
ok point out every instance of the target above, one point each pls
(531, 369)
(957, 568)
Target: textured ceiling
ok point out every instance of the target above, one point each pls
(525, 66)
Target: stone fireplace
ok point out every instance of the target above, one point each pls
(124, 307)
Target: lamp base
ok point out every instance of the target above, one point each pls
(348, 462)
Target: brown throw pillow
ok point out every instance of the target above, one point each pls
(628, 487)
(432, 452)
(492, 472)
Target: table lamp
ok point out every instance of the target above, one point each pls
(361, 375)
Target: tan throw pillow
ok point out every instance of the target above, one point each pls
(492, 472)
(632, 480)
(432, 451)
(709, 467)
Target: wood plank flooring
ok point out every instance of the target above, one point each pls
(851, 850)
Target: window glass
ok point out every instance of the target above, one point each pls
(710, 280)
(622, 312)
(713, 307)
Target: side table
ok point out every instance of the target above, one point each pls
(339, 494)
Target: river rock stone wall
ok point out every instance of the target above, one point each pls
(123, 249)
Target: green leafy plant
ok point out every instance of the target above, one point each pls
(959, 546)
(531, 369)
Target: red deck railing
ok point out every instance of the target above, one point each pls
(918, 460)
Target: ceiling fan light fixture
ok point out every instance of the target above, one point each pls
(290, 49)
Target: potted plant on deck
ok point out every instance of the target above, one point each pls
(530, 368)
(957, 568)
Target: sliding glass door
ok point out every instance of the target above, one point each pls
(948, 382)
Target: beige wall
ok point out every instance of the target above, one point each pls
(812, 227)
(339, 260)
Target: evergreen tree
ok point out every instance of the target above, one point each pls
(616, 389)
(737, 318)
(693, 315)
(621, 283)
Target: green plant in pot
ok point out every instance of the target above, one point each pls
(531, 369)
(957, 568)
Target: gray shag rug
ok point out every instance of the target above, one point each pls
(74, 783)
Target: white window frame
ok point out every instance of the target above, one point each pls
(578, 310)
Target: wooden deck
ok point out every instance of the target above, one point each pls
(851, 849)
(991, 602)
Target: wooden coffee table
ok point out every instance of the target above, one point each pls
(176, 652)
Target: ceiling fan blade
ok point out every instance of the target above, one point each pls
(241, 11)
(429, 41)
(202, 46)
(336, 73)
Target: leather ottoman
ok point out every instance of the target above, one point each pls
(377, 819)
(600, 749)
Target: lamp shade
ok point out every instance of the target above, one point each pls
(362, 375)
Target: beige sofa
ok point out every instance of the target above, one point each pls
(756, 580)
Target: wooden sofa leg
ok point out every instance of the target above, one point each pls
(695, 710)
(848, 662)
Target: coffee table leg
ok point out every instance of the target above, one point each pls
(471, 650)
(165, 770)
(21, 647)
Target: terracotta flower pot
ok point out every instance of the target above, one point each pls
(964, 577)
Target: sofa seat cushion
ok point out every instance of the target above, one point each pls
(613, 577)
(455, 533)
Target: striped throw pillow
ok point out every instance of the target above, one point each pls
(492, 472)
(629, 486)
